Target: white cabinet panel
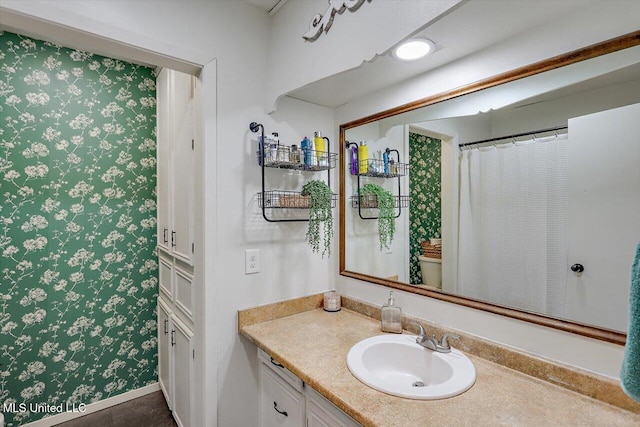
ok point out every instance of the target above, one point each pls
(164, 349)
(184, 292)
(165, 277)
(280, 404)
(182, 372)
(322, 413)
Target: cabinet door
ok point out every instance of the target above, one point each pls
(322, 413)
(164, 352)
(163, 153)
(280, 404)
(182, 372)
(182, 165)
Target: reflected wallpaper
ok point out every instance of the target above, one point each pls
(425, 192)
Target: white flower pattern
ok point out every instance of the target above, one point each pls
(78, 275)
(424, 191)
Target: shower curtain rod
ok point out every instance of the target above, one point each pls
(557, 128)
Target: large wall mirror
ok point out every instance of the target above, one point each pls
(521, 194)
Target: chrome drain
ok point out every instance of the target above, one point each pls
(418, 384)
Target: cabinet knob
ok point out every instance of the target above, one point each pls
(173, 239)
(173, 341)
(577, 268)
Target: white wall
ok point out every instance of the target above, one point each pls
(235, 34)
(352, 39)
(363, 252)
(566, 34)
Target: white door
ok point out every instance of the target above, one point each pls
(182, 164)
(164, 351)
(182, 372)
(604, 214)
(163, 153)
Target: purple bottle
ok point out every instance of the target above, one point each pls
(354, 160)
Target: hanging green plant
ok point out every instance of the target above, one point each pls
(320, 214)
(386, 211)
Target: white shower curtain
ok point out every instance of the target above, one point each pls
(514, 224)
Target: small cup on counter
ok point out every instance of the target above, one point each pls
(332, 301)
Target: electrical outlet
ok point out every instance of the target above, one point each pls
(251, 261)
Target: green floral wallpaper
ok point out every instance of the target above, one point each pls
(424, 191)
(78, 275)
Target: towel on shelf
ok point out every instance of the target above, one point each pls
(630, 374)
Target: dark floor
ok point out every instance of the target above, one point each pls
(146, 411)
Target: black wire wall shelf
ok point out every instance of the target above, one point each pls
(370, 201)
(285, 199)
(374, 168)
(286, 157)
(325, 161)
(379, 169)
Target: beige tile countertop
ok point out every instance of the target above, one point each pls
(313, 344)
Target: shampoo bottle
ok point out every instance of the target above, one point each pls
(321, 150)
(363, 158)
(305, 146)
(354, 160)
(314, 154)
(385, 159)
(391, 316)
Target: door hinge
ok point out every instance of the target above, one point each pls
(193, 144)
(193, 248)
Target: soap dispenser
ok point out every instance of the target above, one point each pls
(391, 316)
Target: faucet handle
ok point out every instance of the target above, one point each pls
(445, 340)
(422, 334)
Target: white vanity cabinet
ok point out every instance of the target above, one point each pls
(176, 118)
(175, 363)
(286, 401)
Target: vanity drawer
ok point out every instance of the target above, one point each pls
(280, 370)
(280, 404)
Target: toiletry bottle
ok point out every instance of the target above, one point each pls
(314, 154)
(273, 152)
(260, 152)
(363, 157)
(305, 145)
(321, 150)
(294, 155)
(385, 159)
(391, 317)
(354, 160)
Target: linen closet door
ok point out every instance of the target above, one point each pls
(604, 214)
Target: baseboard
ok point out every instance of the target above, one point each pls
(95, 407)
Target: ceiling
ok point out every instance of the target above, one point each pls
(469, 28)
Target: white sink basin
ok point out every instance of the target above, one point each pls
(397, 365)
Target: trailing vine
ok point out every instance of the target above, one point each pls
(386, 212)
(320, 214)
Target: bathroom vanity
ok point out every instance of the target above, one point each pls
(312, 345)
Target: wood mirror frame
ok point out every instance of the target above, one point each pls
(595, 50)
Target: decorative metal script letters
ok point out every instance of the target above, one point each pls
(324, 22)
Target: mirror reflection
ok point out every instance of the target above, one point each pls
(524, 195)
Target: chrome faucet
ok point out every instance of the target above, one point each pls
(432, 343)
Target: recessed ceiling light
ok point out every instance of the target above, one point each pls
(413, 49)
